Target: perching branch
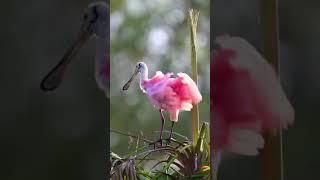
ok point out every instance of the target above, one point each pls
(129, 135)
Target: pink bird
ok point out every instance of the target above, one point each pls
(166, 93)
(247, 98)
(95, 24)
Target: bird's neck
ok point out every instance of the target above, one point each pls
(102, 47)
(143, 77)
(102, 52)
(102, 64)
(102, 30)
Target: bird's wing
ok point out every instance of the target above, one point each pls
(157, 79)
(190, 87)
(163, 97)
(268, 90)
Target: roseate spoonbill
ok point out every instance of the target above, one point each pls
(247, 98)
(166, 93)
(95, 23)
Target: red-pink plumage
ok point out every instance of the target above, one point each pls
(171, 94)
(247, 98)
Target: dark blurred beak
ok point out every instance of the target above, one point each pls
(53, 79)
(127, 85)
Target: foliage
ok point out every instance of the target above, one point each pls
(175, 160)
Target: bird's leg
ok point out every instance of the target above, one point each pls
(162, 126)
(170, 135)
(161, 131)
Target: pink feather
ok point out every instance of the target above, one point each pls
(247, 98)
(172, 94)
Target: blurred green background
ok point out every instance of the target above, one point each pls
(156, 32)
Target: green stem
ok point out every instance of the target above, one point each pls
(272, 162)
(193, 19)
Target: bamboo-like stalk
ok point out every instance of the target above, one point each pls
(272, 161)
(193, 19)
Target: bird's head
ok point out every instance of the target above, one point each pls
(95, 22)
(96, 19)
(141, 68)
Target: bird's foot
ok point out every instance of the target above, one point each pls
(155, 143)
(165, 142)
(169, 140)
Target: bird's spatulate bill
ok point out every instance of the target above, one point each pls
(127, 85)
(53, 79)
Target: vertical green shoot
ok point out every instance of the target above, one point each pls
(272, 162)
(193, 19)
